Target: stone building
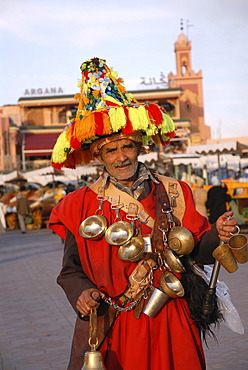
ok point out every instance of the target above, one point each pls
(29, 129)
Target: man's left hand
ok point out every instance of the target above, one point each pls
(226, 226)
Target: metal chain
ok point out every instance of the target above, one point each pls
(121, 309)
(132, 305)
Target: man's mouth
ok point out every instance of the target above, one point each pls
(123, 164)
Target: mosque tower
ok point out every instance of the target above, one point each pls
(191, 100)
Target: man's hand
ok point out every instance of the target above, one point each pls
(226, 227)
(87, 300)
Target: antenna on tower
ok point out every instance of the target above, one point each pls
(181, 25)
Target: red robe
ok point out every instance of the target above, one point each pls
(168, 341)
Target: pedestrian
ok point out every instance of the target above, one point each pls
(200, 196)
(98, 270)
(22, 209)
(217, 199)
(3, 211)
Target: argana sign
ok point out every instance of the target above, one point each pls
(45, 91)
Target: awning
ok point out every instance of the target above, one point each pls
(37, 144)
(229, 147)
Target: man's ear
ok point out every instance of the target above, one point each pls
(99, 157)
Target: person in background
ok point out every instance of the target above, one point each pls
(22, 209)
(200, 196)
(217, 199)
(3, 211)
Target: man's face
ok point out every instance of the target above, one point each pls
(120, 158)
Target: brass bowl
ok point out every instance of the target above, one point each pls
(172, 261)
(133, 250)
(119, 233)
(93, 227)
(171, 285)
(181, 240)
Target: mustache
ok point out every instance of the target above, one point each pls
(127, 162)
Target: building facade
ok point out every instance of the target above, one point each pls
(28, 130)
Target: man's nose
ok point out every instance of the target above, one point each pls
(121, 155)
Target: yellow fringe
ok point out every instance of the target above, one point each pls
(68, 132)
(134, 118)
(59, 154)
(117, 118)
(139, 118)
(167, 124)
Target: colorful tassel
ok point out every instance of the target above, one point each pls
(117, 118)
(106, 124)
(99, 123)
(167, 125)
(85, 128)
(61, 146)
(154, 113)
(128, 129)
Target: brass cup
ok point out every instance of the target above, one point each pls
(239, 247)
(172, 261)
(119, 233)
(181, 240)
(93, 227)
(155, 302)
(171, 285)
(133, 250)
(224, 255)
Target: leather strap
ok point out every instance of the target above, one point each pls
(161, 226)
(125, 198)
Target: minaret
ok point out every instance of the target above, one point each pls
(191, 101)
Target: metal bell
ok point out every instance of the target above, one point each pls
(93, 360)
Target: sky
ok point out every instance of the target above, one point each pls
(44, 42)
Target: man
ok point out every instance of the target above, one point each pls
(94, 273)
(217, 199)
(22, 209)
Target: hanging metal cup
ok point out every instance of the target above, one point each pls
(224, 255)
(172, 261)
(181, 240)
(133, 250)
(120, 232)
(239, 246)
(155, 302)
(171, 285)
(94, 227)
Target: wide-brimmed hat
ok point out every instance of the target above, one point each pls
(106, 112)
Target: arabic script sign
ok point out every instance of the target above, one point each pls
(151, 81)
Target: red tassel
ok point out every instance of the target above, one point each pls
(128, 129)
(57, 166)
(154, 114)
(75, 143)
(99, 123)
(171, 134)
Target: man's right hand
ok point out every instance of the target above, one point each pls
(87, 300)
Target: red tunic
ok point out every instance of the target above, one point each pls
(168, 341)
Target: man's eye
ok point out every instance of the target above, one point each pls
(110, 150)
(129, 146)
